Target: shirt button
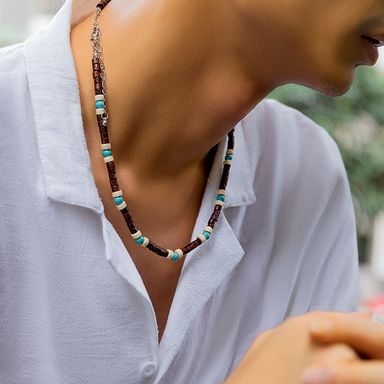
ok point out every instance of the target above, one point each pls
(149, 369)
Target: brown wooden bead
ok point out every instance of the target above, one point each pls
(111, 170)
(102, 4)
(156, 249)
(191, 246)
(99, 88)
(215, 216)
(128, 219)
(103, 130)
(112, 178)
(114, 184)
(225, 176)
(231, 139)
(105, 138)
(104, 134)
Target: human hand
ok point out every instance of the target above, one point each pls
(283, 354)
(364, 336)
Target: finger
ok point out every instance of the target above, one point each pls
(370, 372)
(322, 324)
(365, 336)
(362, 314)
(332, 354)
(326, 319)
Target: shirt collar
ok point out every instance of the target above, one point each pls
(55, 98)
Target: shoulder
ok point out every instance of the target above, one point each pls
(13, 81)
(288, 129)
(11, 59)
(13, 76)
(300, 233)
(292, 146)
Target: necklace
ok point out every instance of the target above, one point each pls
(99, 76)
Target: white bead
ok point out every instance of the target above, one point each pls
(179, 252)
(170, 253)
(229, 162)
(221, 192)
(99, 98)
(106, 146)
(117, 194)
(219, 202)
(209, 229)
(146, 241)
(201, 237)
(229, 152)
(121, 206)
(108, 159)
(100, 111)
(136, 235)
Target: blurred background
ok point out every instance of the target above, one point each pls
(20, 18)
(355, 121)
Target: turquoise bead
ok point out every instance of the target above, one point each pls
(206, 234)
(100, 104)
(228, 157)
(175, 256)
(140, 240)
(107, 152)
(118, 200)
(220, 197)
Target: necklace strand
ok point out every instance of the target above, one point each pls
(99, 76)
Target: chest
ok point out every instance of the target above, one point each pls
(157, 220)
(160, 276)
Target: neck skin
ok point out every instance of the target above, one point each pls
(177, 81)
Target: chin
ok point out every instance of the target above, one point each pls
(334, 90)
(335, 84)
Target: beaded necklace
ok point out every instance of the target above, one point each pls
(99, 76)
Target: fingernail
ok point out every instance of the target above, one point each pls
(317, 376)
(320, 326)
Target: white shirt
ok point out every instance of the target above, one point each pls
(73, 308)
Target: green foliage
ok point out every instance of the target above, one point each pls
(7, 36)
(356, 121)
